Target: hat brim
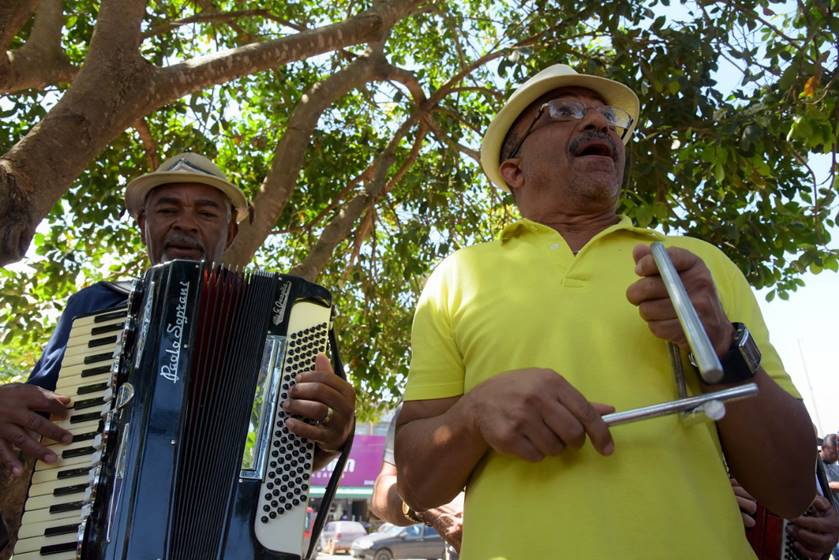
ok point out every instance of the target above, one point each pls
(613, 93)
(137, 190)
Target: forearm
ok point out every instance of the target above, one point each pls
(770, 447)
(436, 454)
(386, 503)
(834, 486)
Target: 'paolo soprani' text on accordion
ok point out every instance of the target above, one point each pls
(180, 447)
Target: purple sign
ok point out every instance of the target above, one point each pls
(362, 467)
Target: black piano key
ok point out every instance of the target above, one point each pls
(78, 418)
(95, 388)
(109, 316)
(67, 490)
(61, 530)
(84, 437)
(69, 506)
(58, 548)
(95, 358)
(95, 331)
(104, 341)
(90, 372)
(78, 452)
(87, 403)
(70, 473)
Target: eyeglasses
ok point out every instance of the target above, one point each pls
(563, 110)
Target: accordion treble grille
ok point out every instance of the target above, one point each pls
(228, 346)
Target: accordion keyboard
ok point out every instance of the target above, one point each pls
(60, 493)
(284, 494)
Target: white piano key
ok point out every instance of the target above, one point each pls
(35, 544)
(44, 515)
(48, 500)
(91, 460)
(71, 384)
(39, 556)
(50, 486)
(102, 317)
(38, 529)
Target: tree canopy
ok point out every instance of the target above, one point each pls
(355, 128)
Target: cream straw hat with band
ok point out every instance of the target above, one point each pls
(185, 168)
(559, 75)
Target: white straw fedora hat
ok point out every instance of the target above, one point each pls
(613, 93)
(185, 168)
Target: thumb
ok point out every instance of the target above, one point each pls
(322, 363)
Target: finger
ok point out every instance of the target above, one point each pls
(817, 523)
(10, 459)
(312, 410)
(545, 438)
(645, 265)
(326, 378)
(318, 393)
(811, 539)
(641, 251)
(746, 505)
(18, 438)
(300, 428)
(657, 310)
(589, 417)
(646, 289)
(821, 504)
(37, 398)
(39, 425)
(748, 520)
(812, 555)
(524, 448)
(568, 430)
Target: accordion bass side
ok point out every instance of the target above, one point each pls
(190, 457)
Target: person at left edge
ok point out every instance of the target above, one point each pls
(186, 209)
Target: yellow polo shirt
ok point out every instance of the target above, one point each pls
(525, 300)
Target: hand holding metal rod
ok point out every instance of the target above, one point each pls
(709, 404)
(706, 358)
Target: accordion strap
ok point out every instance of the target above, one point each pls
(335, 478)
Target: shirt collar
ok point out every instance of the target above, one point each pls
(525, 226)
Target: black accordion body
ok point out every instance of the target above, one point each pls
(180, 447)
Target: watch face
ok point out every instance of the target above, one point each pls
(748, 348)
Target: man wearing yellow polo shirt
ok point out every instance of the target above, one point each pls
(520, 345)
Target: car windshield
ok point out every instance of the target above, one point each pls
(392, 531)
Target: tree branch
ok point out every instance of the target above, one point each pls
(41, 60)
(116, 86)
(341, 226)
(199, 73)
(148, 142)
(211, 17)
(13, 15)
(277, 187)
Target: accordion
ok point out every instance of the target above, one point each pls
(770, 537)
(180, 449)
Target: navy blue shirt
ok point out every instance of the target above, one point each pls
(97, 297)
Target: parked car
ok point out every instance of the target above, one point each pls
(339, 535)
(413, 541)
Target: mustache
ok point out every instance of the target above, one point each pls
(181, 239)
(588, 136)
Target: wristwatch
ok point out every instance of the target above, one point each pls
(410, 513)
(742, 360)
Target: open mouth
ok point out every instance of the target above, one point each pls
(594, 147)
